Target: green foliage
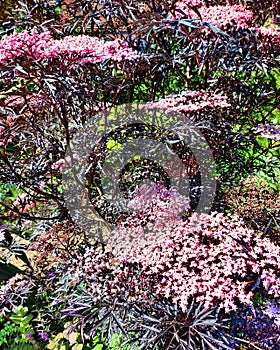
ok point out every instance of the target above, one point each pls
(275, 74)
(264, 161)
(15, 328)
(67, 340)
(8, 329)
(8, 194)
(16, 333)
(117, 342)
(259, 298)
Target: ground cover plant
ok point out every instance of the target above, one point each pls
(169, 277)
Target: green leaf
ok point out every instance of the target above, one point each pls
(25, 321)
(98, 347)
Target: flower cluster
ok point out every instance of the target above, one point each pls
(84, 49)
(151, 204)
(201, 257)
(25, 44)
(216, 260)
(152, 197)
(78, 50)
(224, 17)
(189, 102)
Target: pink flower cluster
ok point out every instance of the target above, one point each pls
(71, 50)
(224, 17)
(84, 49)
(202, 257)
(214, 259)
(150, 204)
(189, 102)
(25, 44)
(148, 197)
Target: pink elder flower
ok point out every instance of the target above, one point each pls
(214, 259)
(159, 205)
(224, 17)
(209, 256)
(189, 102)
(25, 44)
(71, 50)
(84, 49)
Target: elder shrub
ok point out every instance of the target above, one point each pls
(157, 257)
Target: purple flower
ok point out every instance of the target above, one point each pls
(44, 335)
(29, 336)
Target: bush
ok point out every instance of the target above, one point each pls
(64, 63)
